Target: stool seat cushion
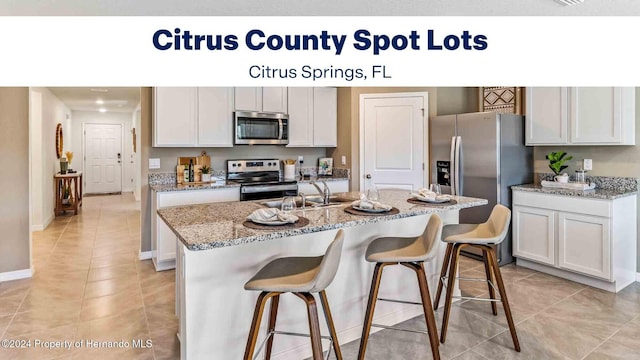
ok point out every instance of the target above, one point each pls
(469, 234)
(289, 274)
(397, 249)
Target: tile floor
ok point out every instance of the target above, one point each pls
(89, 284)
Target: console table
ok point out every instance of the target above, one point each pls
(71, 199)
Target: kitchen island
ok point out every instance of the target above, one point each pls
(217, 255)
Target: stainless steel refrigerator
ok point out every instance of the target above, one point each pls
(480, 155)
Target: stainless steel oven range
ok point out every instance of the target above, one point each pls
(259, 179)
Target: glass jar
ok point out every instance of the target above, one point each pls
(581, 177)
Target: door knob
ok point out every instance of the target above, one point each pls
(368, 176)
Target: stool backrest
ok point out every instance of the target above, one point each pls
(329, 264)
(498, 222)
(432, 234)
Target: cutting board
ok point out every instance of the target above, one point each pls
(203, 160)
(185, 160)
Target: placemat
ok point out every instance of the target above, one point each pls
(353, 211)
(418, 202)
(302, 222)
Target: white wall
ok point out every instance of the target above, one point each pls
(43, 150)
(136, 156)
(78, 118)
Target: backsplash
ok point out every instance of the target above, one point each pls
(602, 182)
(168, 178)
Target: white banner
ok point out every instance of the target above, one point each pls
(337, 51)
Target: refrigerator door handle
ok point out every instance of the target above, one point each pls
(452, 166)
(458, 166)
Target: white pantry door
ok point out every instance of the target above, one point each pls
(392, 138)
(103, 158)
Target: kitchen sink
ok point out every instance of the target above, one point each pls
(314, 201)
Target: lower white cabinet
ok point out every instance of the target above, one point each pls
(587, 240)
(163, 240)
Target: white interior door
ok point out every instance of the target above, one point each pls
(392, 138)
(103, 158)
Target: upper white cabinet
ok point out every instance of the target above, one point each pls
(313, 117)
(175, 116)
(580, 116)
(263, 99)
(191, 117)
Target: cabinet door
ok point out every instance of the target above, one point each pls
(547, 115)
(584, 244)
(300, 116)
(598, 115)
(248, 98)
(174, 120)
(325, 117)
(166, 242)
(534, 234)
(274, 99)
(215, 116)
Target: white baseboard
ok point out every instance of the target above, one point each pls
(16, 275)
(145, 255)
(41, 227)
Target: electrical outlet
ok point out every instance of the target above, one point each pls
(300, 159)
(343, 160)
(154, 164)
(587, 164)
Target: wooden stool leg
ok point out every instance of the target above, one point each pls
(314, 325)
(429, 317)
(332, 328)
(255, 324)
(453, 271)
(371, 304)
(487, 270)
(503, 296)
(443, 273)
(272, 325)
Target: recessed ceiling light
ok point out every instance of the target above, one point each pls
(102, 110)
(570, 2)
(100, 90)
(99, 101)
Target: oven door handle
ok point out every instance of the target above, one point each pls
(269, 188)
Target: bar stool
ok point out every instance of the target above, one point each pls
(411, 252)
(481, 236)
(301, 276)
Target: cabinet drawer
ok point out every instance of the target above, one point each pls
(593, 207)
(194, 197)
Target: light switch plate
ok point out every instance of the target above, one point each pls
(343, 160)
(154, 164)
(587, 164)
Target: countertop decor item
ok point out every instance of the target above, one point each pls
(568, 185)
(69, 155)
(59, 141)
(325, 166)
(557, 159)
(206, 173)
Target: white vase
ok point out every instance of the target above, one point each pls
(206, 177)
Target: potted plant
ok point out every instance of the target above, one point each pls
(66, 195)
(557, 160)
(206, 173)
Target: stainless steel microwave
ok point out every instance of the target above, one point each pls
(258, 128)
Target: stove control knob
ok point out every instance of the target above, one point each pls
(234, 165)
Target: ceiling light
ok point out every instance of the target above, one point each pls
(99, 102)
(570, 2)
(102, 110)
(100, 90)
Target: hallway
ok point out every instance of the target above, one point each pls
(89, 285)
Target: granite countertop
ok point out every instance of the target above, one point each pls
(307, 179)
(604, 194)
(224, 184)
(209, 226)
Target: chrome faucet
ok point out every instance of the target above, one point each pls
(326, 193)
(303, 197)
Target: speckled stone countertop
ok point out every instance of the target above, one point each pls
(209, 226)
(604, 194)
(180, 187)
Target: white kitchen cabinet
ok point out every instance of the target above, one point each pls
(261, 99)
(215, 119)
(313, 117)
(163, 240)
(174, 116)
(580, 116)
(193, 117)
(534, 233)
(335, 186)
(591, 241)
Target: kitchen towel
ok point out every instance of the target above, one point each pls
(272, 215)
(367, 204)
